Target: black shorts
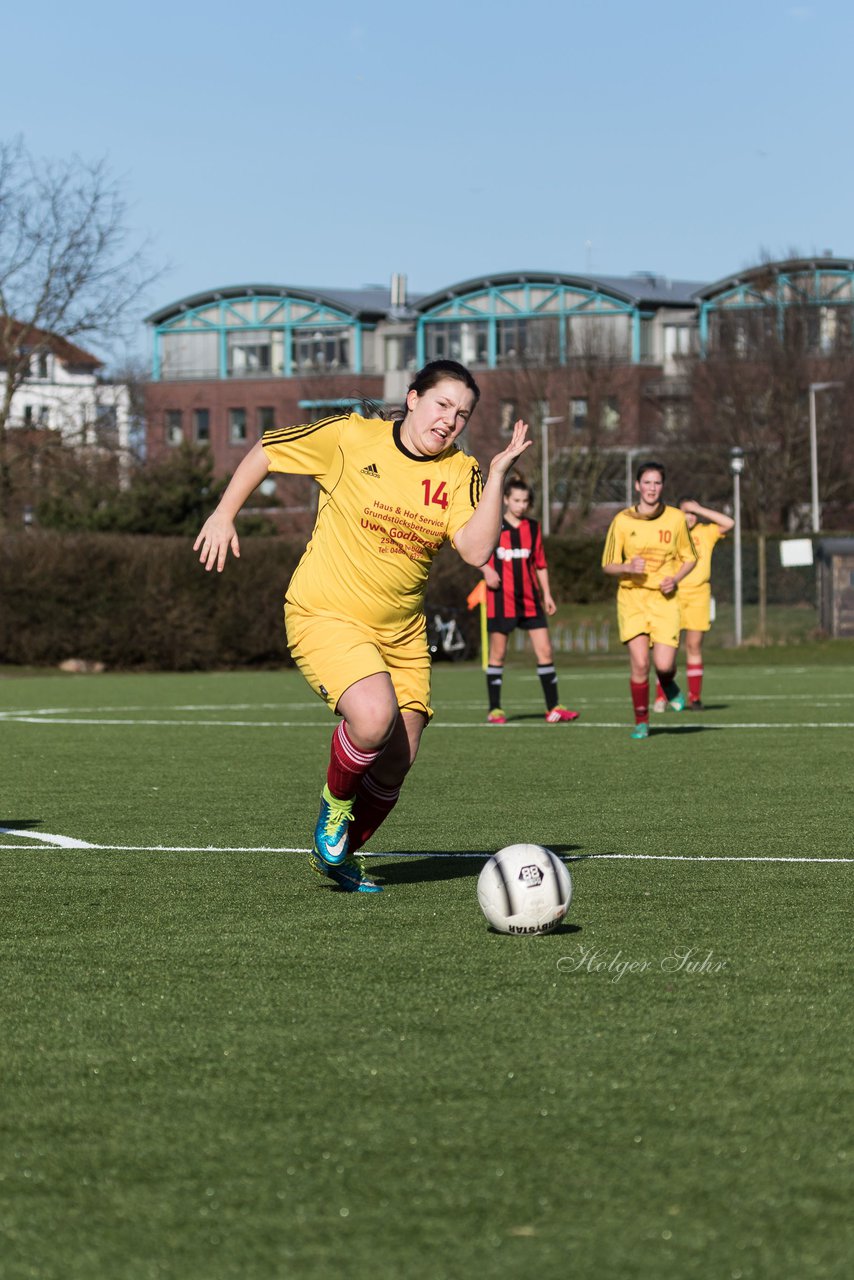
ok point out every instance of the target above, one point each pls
(505, 625)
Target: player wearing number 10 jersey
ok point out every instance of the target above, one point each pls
(390, 494)
(649, 548)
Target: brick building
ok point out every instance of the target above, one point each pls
(601, 366)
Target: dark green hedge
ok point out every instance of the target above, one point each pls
(138, 602)
(143, 602)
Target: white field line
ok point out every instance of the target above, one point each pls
(670, 723)
(67, 842)
(59, 842)
(826, 699)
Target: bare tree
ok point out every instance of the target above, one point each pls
(751, 390)
(581, 395)
(68, 274)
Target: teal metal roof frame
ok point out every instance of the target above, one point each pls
(524, 295)
(778, 285)
(262, 309)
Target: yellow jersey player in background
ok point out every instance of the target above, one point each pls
(390, 494)
(695, 597)
(649, 548)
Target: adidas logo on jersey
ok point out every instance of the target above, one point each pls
(371, 470)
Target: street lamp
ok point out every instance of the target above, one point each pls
(736, 466)
(545, 423)
(816, 515)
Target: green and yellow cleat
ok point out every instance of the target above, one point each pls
(331, 835)
(349, 875)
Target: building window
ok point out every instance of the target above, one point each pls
(190, 355)
(36, 415)
(826, 330)
(508, 416)
(174, 427)
(249, 354)
(598, 337)
(647, 339)
(321, 350)
(106, 426)
(677, 343)
(201, 425)
(467, 342)
(674, 417)
(529, 341)
(609, 414)
(237, 426)
(746, 332)
(578, 413)
(39, 365)
(400, 352)
(266, 419)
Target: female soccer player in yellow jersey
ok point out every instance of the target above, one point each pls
(695, 596)
(390, 494)
(649, 549)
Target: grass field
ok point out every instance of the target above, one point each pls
(214, 1066)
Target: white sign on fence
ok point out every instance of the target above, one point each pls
(795, 552)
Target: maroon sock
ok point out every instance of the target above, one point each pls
(347, 764)
(695, 682)
(374, 803)
(640, 700)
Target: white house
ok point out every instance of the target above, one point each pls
(63, 391)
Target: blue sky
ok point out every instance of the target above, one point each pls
(333, 144)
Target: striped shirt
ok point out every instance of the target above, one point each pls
(516, 558)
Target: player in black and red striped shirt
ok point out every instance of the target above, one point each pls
(518, 595)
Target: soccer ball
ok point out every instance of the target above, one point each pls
(524, 889)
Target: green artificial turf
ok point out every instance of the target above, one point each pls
(215, 1066)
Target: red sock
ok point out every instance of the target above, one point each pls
(695, 682)
(659, 692)
(347, 764)
(374, 803)
(640, 700)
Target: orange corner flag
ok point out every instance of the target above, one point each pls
(478, 595)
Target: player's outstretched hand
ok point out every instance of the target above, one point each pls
(502, 462)
(213, 543)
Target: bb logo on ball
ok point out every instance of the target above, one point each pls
(524, 889)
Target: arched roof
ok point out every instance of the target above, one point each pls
(370, 302)
(642, 288)
(760, 276)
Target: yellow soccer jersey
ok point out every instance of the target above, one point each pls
(382, 515)
(705, 537)
(663, 541)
